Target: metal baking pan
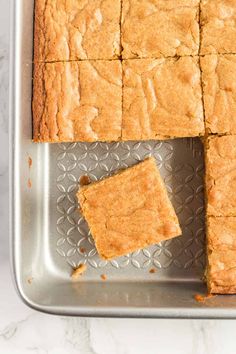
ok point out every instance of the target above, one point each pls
(49, 237)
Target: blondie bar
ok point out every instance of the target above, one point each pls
(221, 272)
(128, 211)
(162, 99)
(159, 28)
(221, 241)
(72, 30)
(221, 175)
(218, 29)
(70, 101)
(218, 75)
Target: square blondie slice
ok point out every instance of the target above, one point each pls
(219, 87)
(159, 28)
(77, 101)
(221, 272)
(221, 254)
(129, 210)
(162, 99)
(221, 175)
(72, 30)
(218, 29)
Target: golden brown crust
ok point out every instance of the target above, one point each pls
(70, 101)
(221, 176)
(160, 28)
(218, 73)
(162, 99)
(72, 30)
(218, 26)
(38, 104)
(129, 211)
(39, 31)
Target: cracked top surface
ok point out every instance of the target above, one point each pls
(221, 272)
(218, 22)
(157, 28)
(129, 211)
(162, 98)
(70, 101)
(219, 88)
(221, 176)
(221, 233)
(72, 29)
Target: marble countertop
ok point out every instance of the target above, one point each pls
(23, 330)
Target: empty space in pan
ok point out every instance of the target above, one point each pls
(181, 165)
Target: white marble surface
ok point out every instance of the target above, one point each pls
(23, 330)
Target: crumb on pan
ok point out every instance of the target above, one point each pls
(103, 276)
(82, 249)
(84, 180)
(29, 280)
(29, 183)
(77, 272)
(152, 270)
(202, 297)
(30, 161)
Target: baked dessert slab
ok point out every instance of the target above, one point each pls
(77, 101)
(218, 26)
(72, 30)
(221, 175)
(159, 28)
(162, 98)
(219, 87)
(128, 211)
